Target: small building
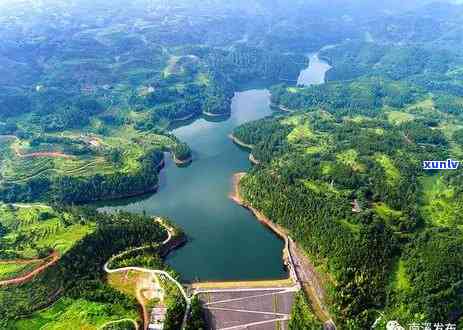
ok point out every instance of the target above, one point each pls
(158, 315)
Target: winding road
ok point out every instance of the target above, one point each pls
(153, 272)
(135, 324)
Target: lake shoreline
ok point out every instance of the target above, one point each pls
(279, 107)
(212, 139)
(250, 147)
(180, 162)
(132, 194)
(316, 299)
(279, 231)
(240, 143)
(210, 114)
(185, 118)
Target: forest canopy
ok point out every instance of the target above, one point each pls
(90, 94)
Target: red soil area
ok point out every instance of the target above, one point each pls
(19, 261)
(45, 154)
(54, 257)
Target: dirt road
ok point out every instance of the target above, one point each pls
(54, 257)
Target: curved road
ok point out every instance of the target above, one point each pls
(135, 324)
(152, 271)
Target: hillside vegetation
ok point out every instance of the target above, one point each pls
(90, 93)
(344, 173)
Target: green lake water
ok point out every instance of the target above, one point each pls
(226, 242)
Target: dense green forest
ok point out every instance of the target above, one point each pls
(197, 319)
(78, 277)
(301, 315)
(89, 94)
(93, 125)
(343, 171)
(312, 179)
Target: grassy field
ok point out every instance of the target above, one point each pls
(127, 282)
(69, 314)
(400, 280)
(322, 187)
(399, 286)
(350, 158)
(300, 133)
(424, 105)
(385, 212)
(31, 228)
(439, 206)
(392, 173)
(16, 167)
(11, 270)
(399, 117)
(303, 137)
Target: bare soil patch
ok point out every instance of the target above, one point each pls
(52, 259)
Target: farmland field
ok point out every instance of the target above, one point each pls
(74, 315)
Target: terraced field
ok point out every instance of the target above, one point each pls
(22, 163)
(21, 170)
(18, 167)
(74, 314)
(32, 228)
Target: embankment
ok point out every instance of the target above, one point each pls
(180, 162)
(301, 269)
(278, 230)
(242, 144)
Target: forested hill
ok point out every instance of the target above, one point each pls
(88, 93)
(343, 170)
(76, 285)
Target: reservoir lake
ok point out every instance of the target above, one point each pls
(225, 241)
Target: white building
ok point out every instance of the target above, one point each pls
(158, 315)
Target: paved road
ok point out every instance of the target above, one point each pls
(302, 272)
(305, 271)
(135, 324)
(307, 275)
(152, 271)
